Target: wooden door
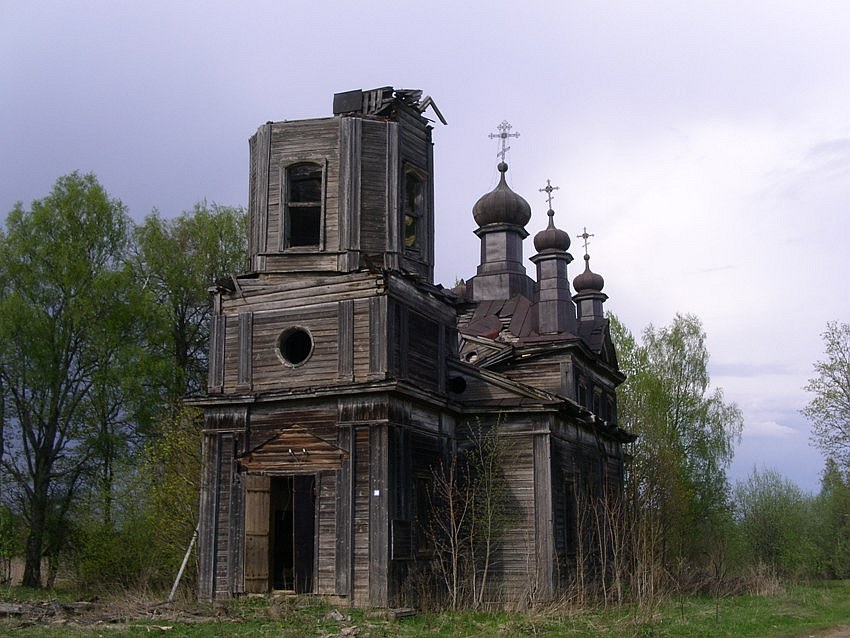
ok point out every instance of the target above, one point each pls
(257, 493)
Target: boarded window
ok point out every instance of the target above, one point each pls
(303, 197)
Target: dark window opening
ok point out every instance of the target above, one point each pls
(303, 205)
(305, 226)
(581, 391)
(597, 405)
(414, 206)
(423, 499)
(295, 346)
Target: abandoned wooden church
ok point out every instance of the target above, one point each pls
(340, 374)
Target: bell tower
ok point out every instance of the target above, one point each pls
(336, 193)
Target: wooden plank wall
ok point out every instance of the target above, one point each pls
(379, 490)
(326, 527)
(268, 420)
(207, 518)
(345, 514)
(223, 550)
(374, 212)
(257, 518)
(515, 569)
(293, 142)
(258, 209)
(416, 149)
(321, 369)
(336, 311)
(360, 550)
(544, 553)
(349, 210)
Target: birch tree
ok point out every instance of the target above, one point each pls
(686, 434)
(829, 409)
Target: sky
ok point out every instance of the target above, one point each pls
(705, 145)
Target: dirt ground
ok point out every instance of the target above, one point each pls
(94, 613)
(98, 614)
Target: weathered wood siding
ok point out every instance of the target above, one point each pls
(416, 150)
(515, 567)
(334, 309)
(360, 550)
(326, 533)
(220, 521)
(378, 178)
(257, 518)
(314, 141)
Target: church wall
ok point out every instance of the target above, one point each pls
(377, 197)
(515, 568)
(333, 311)
(308, 140)
(326, 537)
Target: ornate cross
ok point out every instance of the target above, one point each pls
(503, 134)
(548, 190)
(585, 236)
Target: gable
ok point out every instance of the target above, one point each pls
(293, 450)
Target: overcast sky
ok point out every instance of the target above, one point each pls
(706, 145)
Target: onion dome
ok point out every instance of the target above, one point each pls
(501, 205)
(588, 281)
(552, 238)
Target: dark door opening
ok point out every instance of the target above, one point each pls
(292, 523)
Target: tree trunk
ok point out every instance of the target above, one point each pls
(38, 524)
(35, 541)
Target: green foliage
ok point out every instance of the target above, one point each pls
(832, 514)
(829, 409)
(677, 481)
(776, 521)
(171, 474)
(8, 543)
(59, 307)
(797, 611)
(176, 261)
(103, 328)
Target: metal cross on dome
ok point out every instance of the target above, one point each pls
(503, 135)
(548, 190)
(585, 236)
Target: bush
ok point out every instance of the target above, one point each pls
(777, 523)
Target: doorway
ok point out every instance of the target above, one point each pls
(292, 513)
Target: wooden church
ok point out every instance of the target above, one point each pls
(340, 375)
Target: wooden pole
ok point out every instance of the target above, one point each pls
(183, 566)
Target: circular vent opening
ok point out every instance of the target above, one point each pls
(294, 346)
(457, 384)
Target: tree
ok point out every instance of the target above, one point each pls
(60, 268)
(176, 262)
(471, 509)
(776, 522)
(833, 516)
(829, 410)
(677, 481)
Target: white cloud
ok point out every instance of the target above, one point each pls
(769, 429)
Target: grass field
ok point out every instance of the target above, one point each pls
(805, 610)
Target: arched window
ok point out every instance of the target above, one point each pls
(303, 206)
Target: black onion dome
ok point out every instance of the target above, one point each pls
(501, 205)
(588, 280)
(552, 238)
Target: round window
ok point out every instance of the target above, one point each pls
(294, 346)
